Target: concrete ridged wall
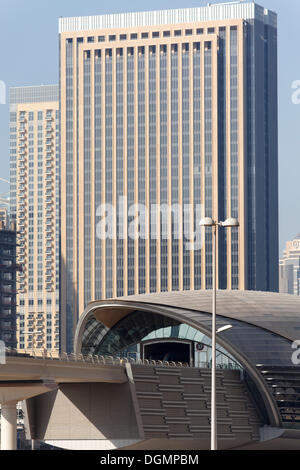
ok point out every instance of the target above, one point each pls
(175, 403)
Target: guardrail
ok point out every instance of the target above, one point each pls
(89, 358)
(107, 360)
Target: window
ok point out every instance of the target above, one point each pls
(123, 37)
(177, 32)
(145, 35)
(167, 34)
(101, 38)
(133, 36)
(112, 37)
(91, 39)
(155, 34)
(188, 32)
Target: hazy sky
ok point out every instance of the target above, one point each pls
(29, 56)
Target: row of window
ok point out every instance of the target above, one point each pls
(147, 35)
(40, 115)
(40, 316)
(7, 239)
(152, 50)
(39, 302)
(39, 345)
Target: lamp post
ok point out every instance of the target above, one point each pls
(228, 223)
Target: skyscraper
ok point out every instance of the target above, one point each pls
(289, 268)
(34, 192)
(166, 116)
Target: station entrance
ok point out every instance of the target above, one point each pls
(168, 351)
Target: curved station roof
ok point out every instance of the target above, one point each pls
(264, 326)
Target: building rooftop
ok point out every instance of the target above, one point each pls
(214, 12)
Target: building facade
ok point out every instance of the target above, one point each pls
(4, 217)
(8, 274)
(167, 116)
(34, 193)
(289, 268)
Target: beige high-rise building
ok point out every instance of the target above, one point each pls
(289, 268)
(167, 116)
(34, 197)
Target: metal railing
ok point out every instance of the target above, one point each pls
(107, 360)
(88, 358)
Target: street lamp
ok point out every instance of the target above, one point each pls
(228, 223)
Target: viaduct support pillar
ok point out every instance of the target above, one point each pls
(9, 427)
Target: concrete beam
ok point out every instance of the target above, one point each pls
(60, 371)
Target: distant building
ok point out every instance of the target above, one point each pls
(34, 198)
(8, 269)
(289, 268)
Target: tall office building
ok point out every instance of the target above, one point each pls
(175, 109)
(289, 268)
(34, 193)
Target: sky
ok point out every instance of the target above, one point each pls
(29, 56)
